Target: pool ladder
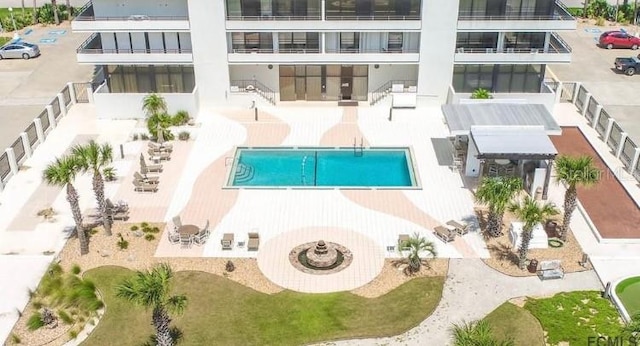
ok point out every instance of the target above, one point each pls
(358, 151)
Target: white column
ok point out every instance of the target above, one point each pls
(500, 44)
(547, 40)
(90, 93)
(39, 130)
(634, 161)
(596, 116)
(623, 138)
(323, 45)
(608, 130)
(586, 104)
(322, 9)
(63, 108)
(52, 117)
(13, 164)
(72, 93)
(26, 144)
(275, 41)
(558, 92)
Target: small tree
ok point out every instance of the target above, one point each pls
(496, 193)
(574, 172)
(476, 333)
(481, 94)
(418, 247)
(154, 104)
(151, 289)
(531, 213)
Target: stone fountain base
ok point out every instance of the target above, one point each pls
(321, 257)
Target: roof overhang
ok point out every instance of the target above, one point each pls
(512, 142)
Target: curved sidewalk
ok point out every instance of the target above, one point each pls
(472, 290)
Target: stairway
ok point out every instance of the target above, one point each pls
(244, 173)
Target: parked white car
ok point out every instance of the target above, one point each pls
(19, 50)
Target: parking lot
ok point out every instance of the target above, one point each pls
(26, 86)
(618, 93)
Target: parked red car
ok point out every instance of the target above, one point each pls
(618, 39)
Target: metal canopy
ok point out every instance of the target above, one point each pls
(512, 142)
(461, 117)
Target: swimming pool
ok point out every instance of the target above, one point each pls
(322, 168)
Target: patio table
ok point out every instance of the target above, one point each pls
(503, 162)
(188, 230)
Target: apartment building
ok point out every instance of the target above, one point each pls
(211, 53)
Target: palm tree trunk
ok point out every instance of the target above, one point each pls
(586, 6)
(35, 12)
(570, 203)
(72, 198)
(524, 248)
(98, 190)
(493, 223)
(69, 12)
(56, 19)
(161, 322)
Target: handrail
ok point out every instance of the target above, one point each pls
(560, 13)
(275, 51)
(252, 85)
(317, 51)
(84, 8)
(373, 17)
(560, 40)
(260, 18)
(133, 51)
(552, 49)
(380, 50)
(382, 91)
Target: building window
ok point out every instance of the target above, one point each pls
(377, 9)
(477, 40)
(506, 8)
(524, 40)
(395, 42)
(251, 41)
(299, 41)
(150, 79)
(273, 8)
(498, 78)
(349, 42)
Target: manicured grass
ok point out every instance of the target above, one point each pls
(231, 314)
(575, 316)
(628, 291)
(4, 12)
(4, 40)
(509, 321)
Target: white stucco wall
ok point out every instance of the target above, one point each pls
(208, 38)
(387, 72)
(124, 8)
(128, 106)
(437, 47)
(261, 73)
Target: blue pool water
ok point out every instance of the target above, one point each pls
(322, 168)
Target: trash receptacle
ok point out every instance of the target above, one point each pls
(533, 266)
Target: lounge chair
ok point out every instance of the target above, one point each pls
(203, 235)
(174, 237)
(121, 206)
(159, 155)
(551, 270)
(445, 234)
(254, 241)
(227, 241)
(150, 168)
(147, 179)
(186, 241)
(161, 147)
(144, 187)
(461, 227)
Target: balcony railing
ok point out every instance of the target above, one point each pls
(317, 50)
(93, 45)
(268, 18)
(276, 51)
(86, 13)
(382, 91)
(551, 50)
(370, 51)
(560, 12)
(372, 17)
(253, 86)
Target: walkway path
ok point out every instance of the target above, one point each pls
(471, 291)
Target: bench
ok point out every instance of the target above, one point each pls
(551, 270)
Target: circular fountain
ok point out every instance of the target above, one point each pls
(320, 257)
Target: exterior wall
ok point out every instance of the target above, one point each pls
(129, 106)
(546, 98)
(261, 73)
(208, 37)
(125, 8)
(437, 45)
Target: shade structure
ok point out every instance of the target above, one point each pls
(512, 142)
(461, 117)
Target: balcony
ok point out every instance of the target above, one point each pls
(91, 51)
(559, 19)
(315, 23)
(88, 21)
(557, 52)
(337, 56)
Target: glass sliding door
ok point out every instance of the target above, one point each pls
(287, 83)
(323, 82)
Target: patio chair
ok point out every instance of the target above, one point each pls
(461, 227)
(144, 187)
(160, 147)
(203, 235)
(159, 155)
(227, 241)
(115, 214)
(186, 241)
(254, 241)
(147, 179)
(493, 170)
(121, 206)
(174, 237)
(177, 222)
(445, 234)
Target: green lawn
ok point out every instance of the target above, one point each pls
(511, 321)
(575, 316)
(231, 314)
(4, 12)
(4, 40)
(629, 293)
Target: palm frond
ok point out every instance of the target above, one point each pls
(577, 170)
(62, 171)
(497, 192)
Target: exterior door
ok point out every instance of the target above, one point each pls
(346, 82)
(301, 88)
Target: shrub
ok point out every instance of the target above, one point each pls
(135, 136)
(122, 243)
(576, 11)
(134, 228)
(160, 122)
(66, 319)
(155, 230)
(35, 322)
(75, 269)
(109, 173)
(180, 118)
(45, 13)
(481, 94)
(229, 267)
(144, 224)
(184, 136)
(93, 231)
(600, 21)
(73, 333)
(149, 237)
(15, 339)
(20, 21)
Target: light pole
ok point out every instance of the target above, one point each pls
(13, 20)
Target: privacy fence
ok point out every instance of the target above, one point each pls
(608, 129)
(38, 130)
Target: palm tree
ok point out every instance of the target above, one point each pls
(417, 246)
(154, 104)
(69, 10)
(531, 213)
(151, 289)
(62, 173)
(574, 171)
(496, 193)
(35, 12)
(476, 333)
(54, 7)
(93, 158)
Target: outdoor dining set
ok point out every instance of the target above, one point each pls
(187, 235)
